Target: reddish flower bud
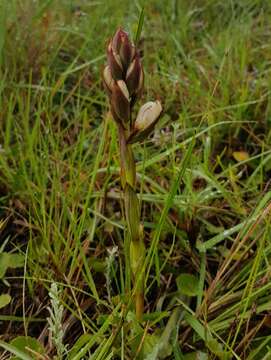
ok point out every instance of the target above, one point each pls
(120, 102)
(121, 84)
(116, 40)
(134, 76)
(126, 52)
(122, 46)
(114, 63)
(108, 79)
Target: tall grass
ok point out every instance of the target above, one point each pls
(204, 175)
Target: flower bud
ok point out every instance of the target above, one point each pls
(114, 63)
(126, 52)
(147, 117)
(134, 76)
(116, 40)
(122, 46)
(108, 79)
(123, 88)
(120, 102)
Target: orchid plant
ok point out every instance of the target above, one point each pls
(123, 78)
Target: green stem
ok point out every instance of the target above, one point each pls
(132, 215)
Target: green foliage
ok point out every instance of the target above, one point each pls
(27, 344)
(188, 284)
(196, 355)
(9, 260)
(203, 181)
(79, 345)
(24, 348)
(5, 299)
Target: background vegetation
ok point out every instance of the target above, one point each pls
(203, 179)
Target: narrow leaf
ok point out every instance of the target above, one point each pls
(5, 299)
(139, 26)
(13, 350)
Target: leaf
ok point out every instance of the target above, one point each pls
(3, 222)
(21, 355)
(23, 343)
(80, 343)
(197, 355)
(4, 259)
(204, 333)
(16, 261)
(8, 260)
(240, 156)
(267, 166)
(155, 316)
(160, 347)
(151, 342)
(139, 26)
(188, 284)
(4, 300)
(155, 348)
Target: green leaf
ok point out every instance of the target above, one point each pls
(197, 355)
(205, 334)
(4, 300)
(155, 316)
(139, 26)
(154, 348)
(4, 259)
(160, 347)
(21, 355)
(8, 260)
(16, 261)
(80, 343)
(23, 343)
(188, 284)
